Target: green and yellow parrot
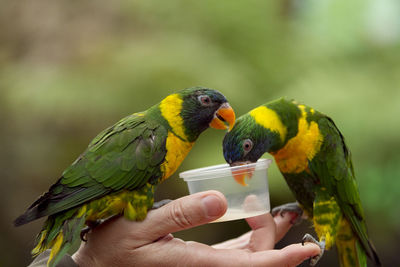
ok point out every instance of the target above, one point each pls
(315, 161)
(119, 169)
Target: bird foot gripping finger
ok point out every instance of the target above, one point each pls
(289, 207)
(310, 238)
(160, 203)
(84, 231)
(90, 226)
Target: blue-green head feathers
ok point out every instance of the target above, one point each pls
(246, 142)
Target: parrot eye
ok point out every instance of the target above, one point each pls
(247, 145)
(205, 100)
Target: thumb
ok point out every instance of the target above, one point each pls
(184, 213)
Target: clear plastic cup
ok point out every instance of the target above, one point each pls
(243, 201)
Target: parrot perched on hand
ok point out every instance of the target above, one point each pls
(119, 169)
(315, 161)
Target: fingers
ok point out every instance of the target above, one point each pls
(283, 224)
(240, 242)
(264, 232)
(123, 236)
(180, 214)
(291, 255)
(196, 254)
(176, 252)
(267, 231)
(120, 241)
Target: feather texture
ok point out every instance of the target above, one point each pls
(117, 172)
(315, 161)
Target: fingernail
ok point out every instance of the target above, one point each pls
(212, 205)
(310, 244)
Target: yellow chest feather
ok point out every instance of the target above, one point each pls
(294, 156)
(177, 149)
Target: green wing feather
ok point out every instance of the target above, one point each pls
(334, 168)
(126, 155)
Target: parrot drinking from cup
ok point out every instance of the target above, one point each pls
(315, 161)
(119, 169)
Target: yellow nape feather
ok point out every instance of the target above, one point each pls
(294, 156)
(269, 119)
(171, 108)
(177, 145)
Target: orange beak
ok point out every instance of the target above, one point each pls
(224, 115)
(240, 173)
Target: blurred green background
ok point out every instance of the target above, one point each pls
(69, 69)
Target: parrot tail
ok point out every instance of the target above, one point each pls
(58, 234)
(351, 252)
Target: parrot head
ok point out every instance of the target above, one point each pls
(203, 108)
(246, 143)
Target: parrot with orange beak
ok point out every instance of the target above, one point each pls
(313, 157)
(118, 171)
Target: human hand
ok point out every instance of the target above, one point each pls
(119, 242)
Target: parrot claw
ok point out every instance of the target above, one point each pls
(289, 207)
(84, 231)
(321, 244)
(90, 226)
(160, 203)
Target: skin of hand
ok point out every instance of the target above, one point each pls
(119, 242)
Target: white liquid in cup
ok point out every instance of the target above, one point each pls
(243, 201)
